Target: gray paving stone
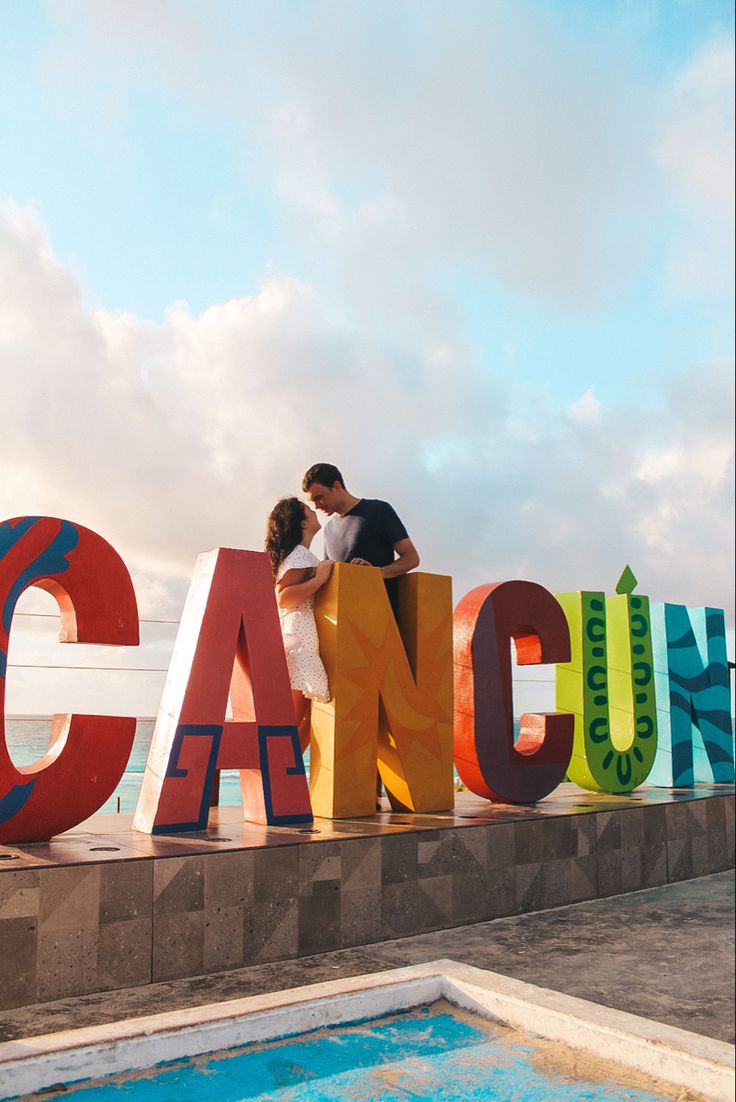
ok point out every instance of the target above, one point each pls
(666, 953)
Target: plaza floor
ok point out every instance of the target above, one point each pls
(666, 953)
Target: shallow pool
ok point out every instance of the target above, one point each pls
(429, 1053)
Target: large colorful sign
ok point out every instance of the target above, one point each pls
(643, 692)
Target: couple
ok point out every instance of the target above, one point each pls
(360, 531)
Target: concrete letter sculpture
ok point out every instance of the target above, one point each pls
(609, 685)
(87, 754)
(228, 645)
(693, 697)
(624, 673)
(392, 694)
(488, 760)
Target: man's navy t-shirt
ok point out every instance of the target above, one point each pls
(369, 531)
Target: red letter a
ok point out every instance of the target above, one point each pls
(229, 644)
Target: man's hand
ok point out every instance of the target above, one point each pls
(407, 559)
(360, 562)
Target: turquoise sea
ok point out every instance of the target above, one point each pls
(28, 740)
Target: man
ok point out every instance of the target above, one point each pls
(361, 530)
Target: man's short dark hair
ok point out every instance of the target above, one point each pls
(326, 474)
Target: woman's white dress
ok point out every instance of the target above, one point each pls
(301, 642)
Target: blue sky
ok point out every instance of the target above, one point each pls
(478, 254)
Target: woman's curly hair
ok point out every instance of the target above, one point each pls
(283, 530)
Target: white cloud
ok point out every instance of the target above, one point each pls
(698, 141)
(170, 439)
(401, 141)
(587, 406)
(705, 464)
(489, 134)
(404, 136)
(696, 147)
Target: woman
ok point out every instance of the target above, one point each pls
(298, 574)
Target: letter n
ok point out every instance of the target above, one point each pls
(693, 697)
(228, 645)
(392, 695)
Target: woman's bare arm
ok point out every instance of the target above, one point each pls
(297, 586)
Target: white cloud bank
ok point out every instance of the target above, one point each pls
(170, 439)
(401, 136)
(402, 140)
(697, 149)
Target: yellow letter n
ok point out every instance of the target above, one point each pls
(392, 703)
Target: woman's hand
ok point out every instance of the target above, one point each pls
(322, 572)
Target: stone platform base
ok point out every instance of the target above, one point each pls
(103, 907)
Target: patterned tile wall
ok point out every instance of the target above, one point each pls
(71, 930)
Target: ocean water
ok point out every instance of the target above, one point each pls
(28, 740)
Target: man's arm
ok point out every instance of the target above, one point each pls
(408, 559)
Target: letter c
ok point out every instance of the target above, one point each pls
(88, 754)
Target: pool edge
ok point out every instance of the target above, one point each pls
(678, 1057)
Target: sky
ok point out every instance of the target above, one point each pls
(477, 254)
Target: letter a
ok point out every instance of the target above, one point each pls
(228, 645)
